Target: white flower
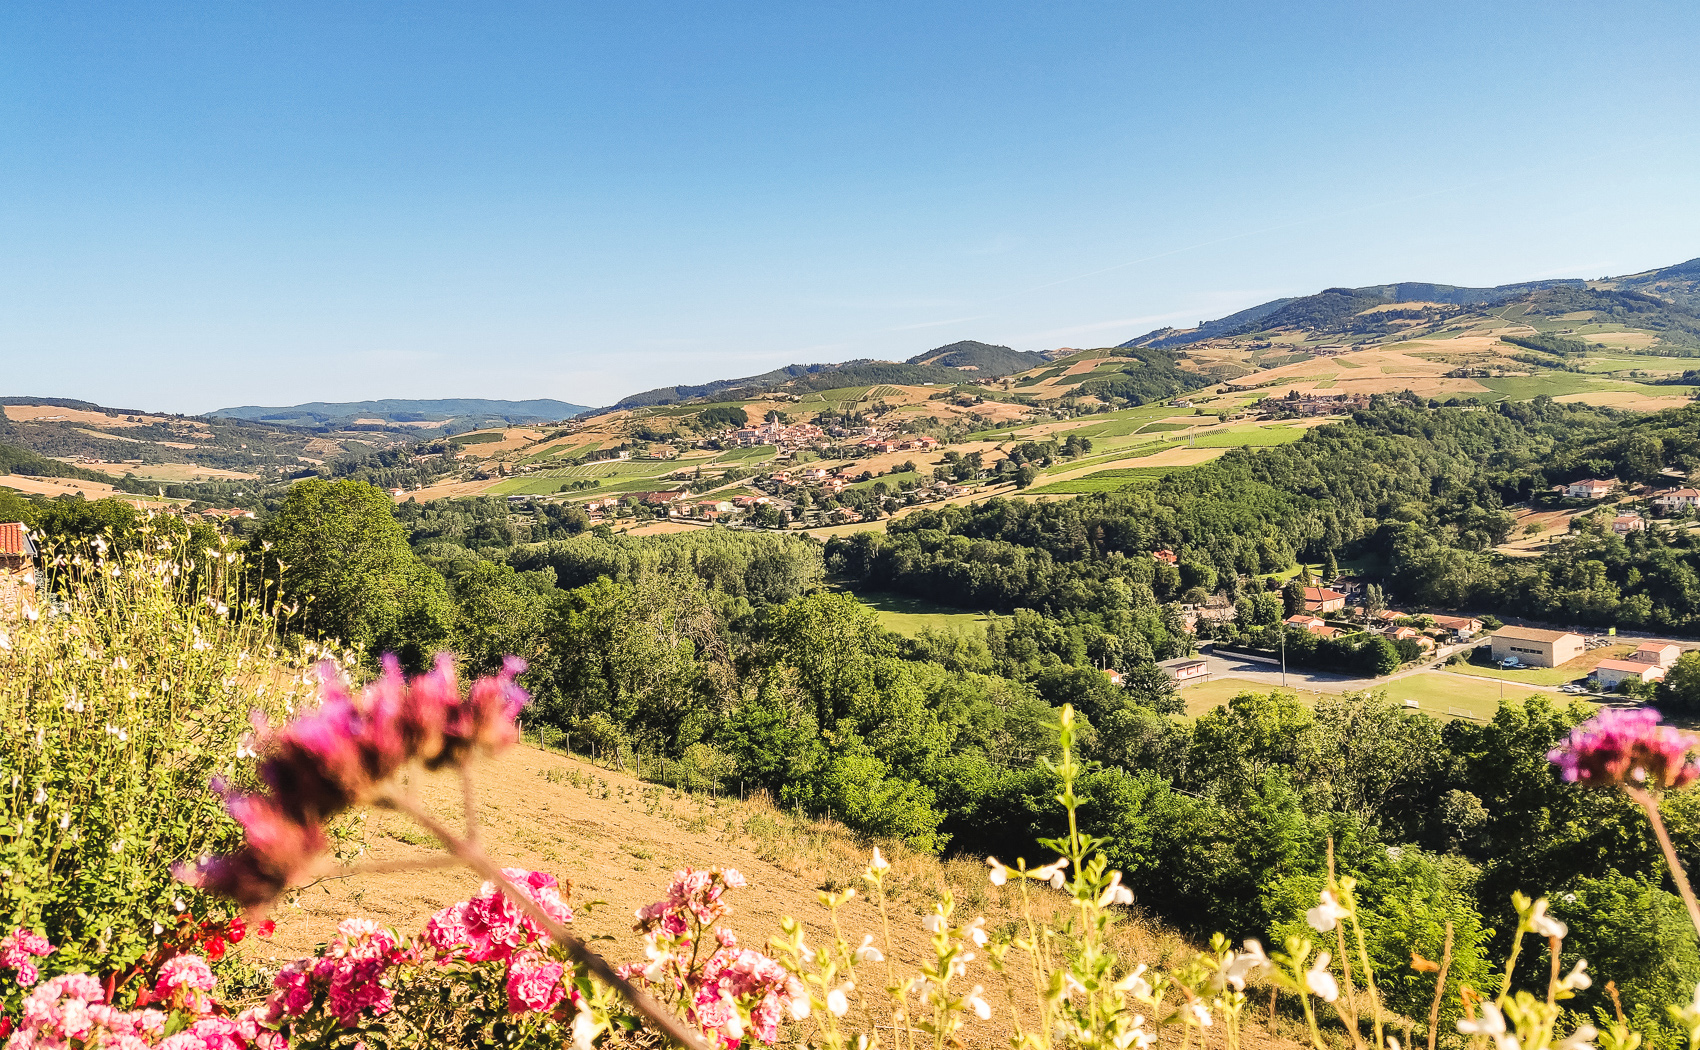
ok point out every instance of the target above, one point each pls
(1115, 892)
(1491, 1023)
(799, 1007)
(1200, 1014)
(867, 953)
(933, 923)
(1578, 980)
(1326, 915)
(1392, 1043)
(879, 863)
(837, 1001)
(977, 1003)
(64, 820)
(1134, 983)
(1320, 982)
(118, 846)
(734, 1026)
(974, 932)
(1051, 873)
(1581, 1039)
(5, 642)
(584, 1030)
(40, 795)
(1240, 964)
(1071, 986)
(1542, 923)
(999, 875)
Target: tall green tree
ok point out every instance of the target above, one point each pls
(339, 551)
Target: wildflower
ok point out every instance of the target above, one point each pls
(5, 642)
(1134, 983)
(1051, 873)
(1320, 982)
(1543, 924)
(800, 1007)
(999, 874)
(584, 1030)
(1492, 1023)
(837, 1002)
(1581, 1039)
(1577, 980)
(1115, 892)
(337, 756)
(977, 1002)
(1240, 964)
(867, 953)
(976, 932)
(1326, 915)
(40, 795)
(1201, 1013)
(933, 923)
(879, 863)
(1628, 748)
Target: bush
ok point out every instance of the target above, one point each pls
(120, 706)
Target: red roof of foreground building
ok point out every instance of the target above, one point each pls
(14, 539)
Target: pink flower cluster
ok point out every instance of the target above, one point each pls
(337, 756)
(718, 990)
(1627, 747)
(72, 1010)
(489, 926)
(351, 975)
(18, 948)
(696, 894)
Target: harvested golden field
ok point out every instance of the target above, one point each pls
(51, 487)
(52, 414)
(1633, 400)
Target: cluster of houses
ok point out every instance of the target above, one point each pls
(782, 435)
(1312, 404)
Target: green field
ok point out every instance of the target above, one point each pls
(1157, 428)
(1437, 694)
(891, 480)
(1246, 437)
(743, 455)
(1558, 384)
(907, 615)
(1112, 480)
(1638, 362)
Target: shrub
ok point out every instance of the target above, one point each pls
(120, 704)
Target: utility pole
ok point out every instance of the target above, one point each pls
(1284, 654)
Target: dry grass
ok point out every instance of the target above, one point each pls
(618, 839)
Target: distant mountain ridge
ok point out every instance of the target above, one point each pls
(1333, 304)
(462, 413)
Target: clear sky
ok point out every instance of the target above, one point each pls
(263, 203)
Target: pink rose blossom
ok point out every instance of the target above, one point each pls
(534, 983)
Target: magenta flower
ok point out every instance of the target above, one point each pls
(1628, 748)
(341, 754)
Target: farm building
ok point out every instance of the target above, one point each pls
(1186, 669)
(1535, 647)
(1322, 599)
(1660, 654)
(17, 569)
(1611, 673)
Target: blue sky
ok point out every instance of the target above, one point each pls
(205, 205)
